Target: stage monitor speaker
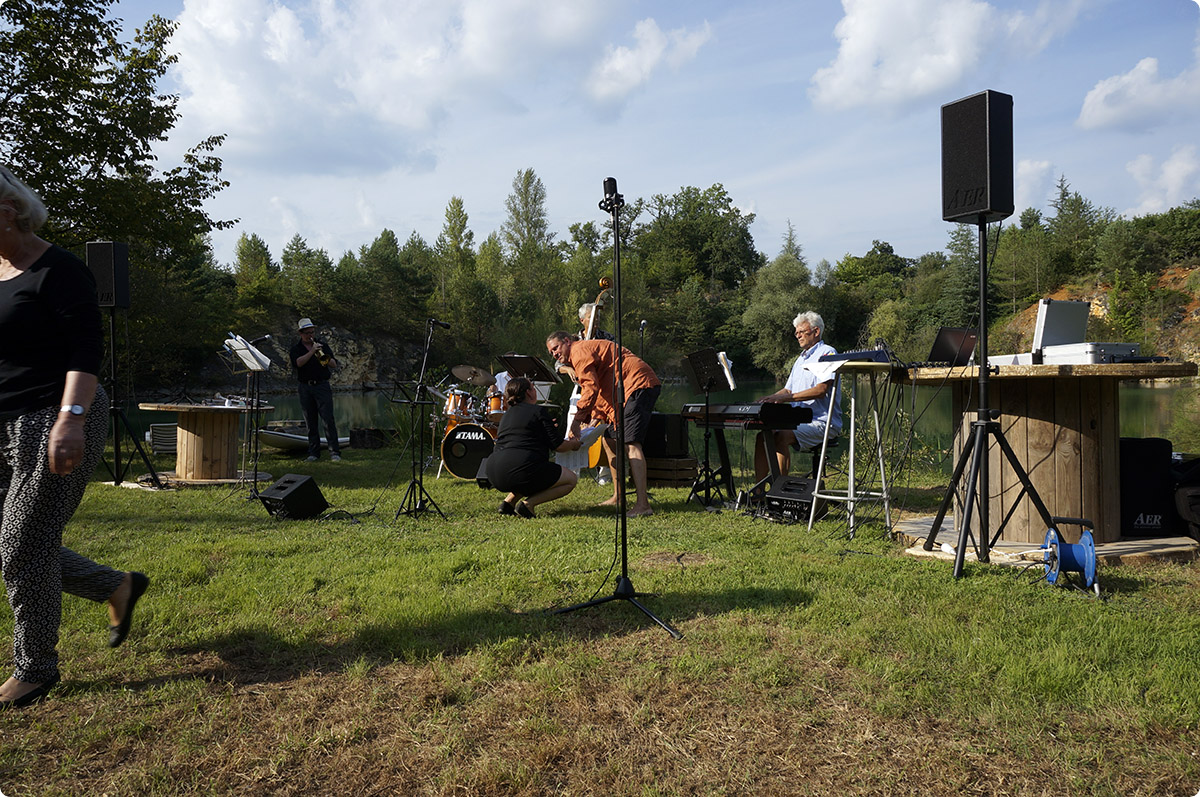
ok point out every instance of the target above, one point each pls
(109, 264)
(790, 500)
(1147, 489)
(977, 158)
(294, 497)
(667, 437)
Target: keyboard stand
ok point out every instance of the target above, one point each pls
(853, 495)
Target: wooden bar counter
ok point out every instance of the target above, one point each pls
(1064, 424)
(206, 441)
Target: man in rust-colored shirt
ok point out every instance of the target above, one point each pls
(595, 366)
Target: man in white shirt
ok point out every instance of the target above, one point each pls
(803, 388)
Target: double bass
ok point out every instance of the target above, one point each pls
(589, 327)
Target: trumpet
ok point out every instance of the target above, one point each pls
(321, 354)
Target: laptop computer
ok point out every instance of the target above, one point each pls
(952, 348)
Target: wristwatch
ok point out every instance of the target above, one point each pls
(74, 409)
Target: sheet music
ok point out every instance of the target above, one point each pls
(824, 370)
(578, 460)
(727, 367)
(252, 358)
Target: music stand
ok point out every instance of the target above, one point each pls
(243, 358)
(531, 368)
(706, 374)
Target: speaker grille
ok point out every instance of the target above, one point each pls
(977, 158)
(109, 264)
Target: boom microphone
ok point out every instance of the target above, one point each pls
(441, 324)
(260, 340)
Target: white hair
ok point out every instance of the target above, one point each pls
(812, 319)
(31, 213)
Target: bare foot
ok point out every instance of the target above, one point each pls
(610, 502)
(639, 511)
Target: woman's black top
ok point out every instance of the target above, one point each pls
(529, 427)
(521, 460)
(49, 325)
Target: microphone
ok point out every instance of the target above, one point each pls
(610, 187)
(643, 325)
(441, 324)
(260, 340)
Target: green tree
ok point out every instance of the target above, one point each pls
(454, 248)
(1075, 226)
(778, 292)
(307, 277)
(79, 114)
(256, 277)
(530, 252)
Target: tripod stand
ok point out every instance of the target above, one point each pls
(985, 426)
(417, 500)
(612, 203)
(705, 373)
(117, 417)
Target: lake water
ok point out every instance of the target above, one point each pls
(1145, 411)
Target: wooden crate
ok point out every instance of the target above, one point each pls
(670, 471)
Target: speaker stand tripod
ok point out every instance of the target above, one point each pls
(612, 203)
(985, 427)
(119, 420)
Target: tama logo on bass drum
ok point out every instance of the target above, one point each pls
(470, 435)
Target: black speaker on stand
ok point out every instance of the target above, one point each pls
(977, 158)
(109, 263)
(977, 188)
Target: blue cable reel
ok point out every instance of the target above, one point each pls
(1061, 558)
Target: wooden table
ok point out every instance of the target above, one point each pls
(1064, 424)
(206, 440)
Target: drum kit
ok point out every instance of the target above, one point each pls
(471, 422)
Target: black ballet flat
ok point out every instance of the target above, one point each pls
(118, 632)
(525, 511)
(29, 698)
(506, 508)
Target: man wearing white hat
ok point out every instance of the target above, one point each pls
(313, 360)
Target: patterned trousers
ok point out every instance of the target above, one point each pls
(36, 507)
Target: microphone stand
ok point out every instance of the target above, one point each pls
(417, 500)
(612, 204)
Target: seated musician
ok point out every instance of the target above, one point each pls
(520, 462)
(802, 389)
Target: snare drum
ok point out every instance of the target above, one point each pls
(466, 446)
(495, 407)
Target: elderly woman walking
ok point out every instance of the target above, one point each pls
(53, 424)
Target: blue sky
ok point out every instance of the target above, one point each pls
(345, 117)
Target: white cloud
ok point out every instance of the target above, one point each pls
(348, 85)
(892, 52)
(624, 69)
(1169, 185)
(1033, 181)
(1140, 98)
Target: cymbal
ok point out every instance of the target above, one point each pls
(473, 375)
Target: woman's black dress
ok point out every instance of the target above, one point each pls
(521, 462)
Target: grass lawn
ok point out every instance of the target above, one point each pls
(364, 655)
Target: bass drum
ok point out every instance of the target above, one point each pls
(466, 446)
